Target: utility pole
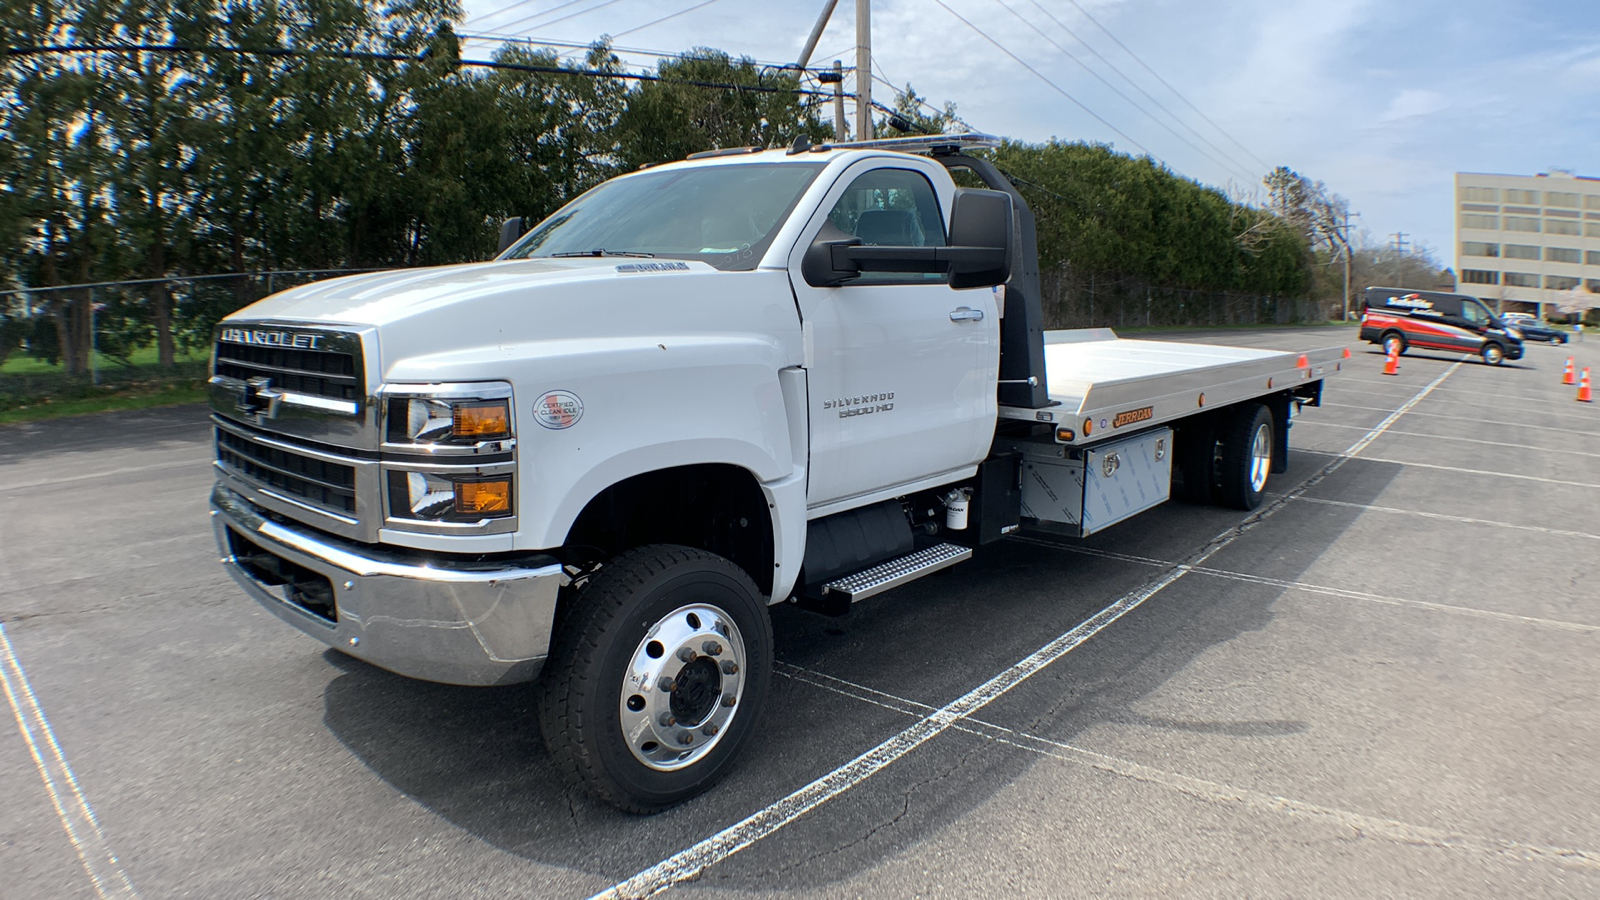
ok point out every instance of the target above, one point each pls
(816, 34)
(841, 131)
(864, 70)
(1399, 242)
(1343, 231)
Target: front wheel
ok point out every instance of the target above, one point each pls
(1493, 354)
(1245, 458)
(656, 676)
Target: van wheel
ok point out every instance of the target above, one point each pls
(1393, 342)
(1246, 457)
(1493, 354)
(656, 676)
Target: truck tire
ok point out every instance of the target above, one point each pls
(1394, 341)
(1493, 354)
(657, 672)
(1245, 461)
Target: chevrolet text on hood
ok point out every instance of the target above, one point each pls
(804, 376)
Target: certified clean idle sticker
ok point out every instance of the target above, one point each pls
(558, 409)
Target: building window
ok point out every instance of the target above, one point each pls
(1593, 285)
(1522, 279)
(1564, 213)
(1523, 210)
(1521, 251)
(1482, 195)
(1560, 198)
(1479, 248)
(1563, 254)
(1473, 220)
(1591, 201)
(1479, 276)
(1559, 283)
(1479, 207)
(1591, 257)
(1591, 229)
(1521, 223)
(1529, 198)
(1559, 226)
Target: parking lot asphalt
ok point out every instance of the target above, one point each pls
(1381, 684)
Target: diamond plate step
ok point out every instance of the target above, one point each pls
(895, 572)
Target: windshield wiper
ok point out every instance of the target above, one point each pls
(602, 252)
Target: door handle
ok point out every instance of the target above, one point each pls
(966, 312)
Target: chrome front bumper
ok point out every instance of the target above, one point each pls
(452, 622)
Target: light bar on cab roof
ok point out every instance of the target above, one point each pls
(917, 143)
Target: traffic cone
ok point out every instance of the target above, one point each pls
(1391, 365)
(1567, 378)
(1583, 387)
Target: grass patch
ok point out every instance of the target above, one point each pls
(19, 363)
(143, 397)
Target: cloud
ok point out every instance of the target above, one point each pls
(1412, 103)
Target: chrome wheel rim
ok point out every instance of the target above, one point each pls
(682, 687)
(1260, 458)
(1492, 353)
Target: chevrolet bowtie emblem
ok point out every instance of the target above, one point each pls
(259, 399)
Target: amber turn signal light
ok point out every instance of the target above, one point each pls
(1065, 435)
(480, 497)
(486, 420)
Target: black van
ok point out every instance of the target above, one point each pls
(1398, 318)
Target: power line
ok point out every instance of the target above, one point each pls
(581, 12)
(666, 17)
(286, 52)
(581, 46)
(520, 3)
(1041, 77)
(1174, 90)
(1140, 88)
(1081, 64)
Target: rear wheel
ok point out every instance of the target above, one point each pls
(1493, 354)
(1245, 457)
(656, 676)
(1394, 343)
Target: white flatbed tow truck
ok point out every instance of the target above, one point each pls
(752, 377)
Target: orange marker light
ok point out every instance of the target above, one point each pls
(480, 497)
(1088, 427)
(1065, 435)
(481, 420)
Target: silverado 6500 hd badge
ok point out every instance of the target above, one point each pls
(863, 405)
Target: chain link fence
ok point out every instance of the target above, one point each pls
(1075, 299)
(78, 340)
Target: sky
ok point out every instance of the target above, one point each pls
(1382, 101)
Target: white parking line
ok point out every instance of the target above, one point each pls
(1457, 469)
(689, 863)
(1215, 792)
(72, 808)
(1448, 437)
(1308, 587)
(1558, 532)
(1510, 428)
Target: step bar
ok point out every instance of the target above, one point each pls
(889, 575)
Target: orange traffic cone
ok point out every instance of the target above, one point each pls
(1583, 387)
(1567, 378)
(1391, 366)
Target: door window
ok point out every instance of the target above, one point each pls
(1475, 314)
(891, 208)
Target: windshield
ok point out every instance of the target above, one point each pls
(723, 215)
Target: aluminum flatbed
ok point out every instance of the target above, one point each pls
(1102, 386)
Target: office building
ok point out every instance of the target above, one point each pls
(1524, 240)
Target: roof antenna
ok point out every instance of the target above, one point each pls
(801, 145)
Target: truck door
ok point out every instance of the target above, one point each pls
(901, 368)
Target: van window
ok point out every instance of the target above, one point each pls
(1474, 312)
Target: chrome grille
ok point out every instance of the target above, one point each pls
(324, 484)
(331, 374)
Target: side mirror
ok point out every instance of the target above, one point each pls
(979, 254)
(510, 230)
(980, 220)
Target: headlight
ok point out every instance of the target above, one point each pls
(429, 420)
(436, 497)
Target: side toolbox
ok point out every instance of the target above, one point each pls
(1082, 491)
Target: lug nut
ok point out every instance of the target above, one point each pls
(668, 720)
(686, 737)
(709, 729)
(729, 667)
(711, 648)
(729, 699)
(686, 654)
(667, 685)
